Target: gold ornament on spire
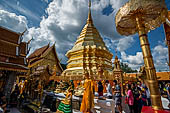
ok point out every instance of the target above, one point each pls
(89, 20)
(116, 51)
(89, 4)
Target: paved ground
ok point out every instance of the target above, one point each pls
(14, 110)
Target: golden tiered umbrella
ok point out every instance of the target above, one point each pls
(140, 16)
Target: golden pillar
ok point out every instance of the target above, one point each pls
(141, 16)
(149, 65)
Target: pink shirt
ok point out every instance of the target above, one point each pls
(131, 98)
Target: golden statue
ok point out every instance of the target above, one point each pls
(88, 97)
(58, 89)
(40, 89)
(65, 105)
(21, 86)
(54, 70)
(79, 91)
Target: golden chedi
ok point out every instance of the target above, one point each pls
(89, 51)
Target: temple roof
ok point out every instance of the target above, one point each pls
(23, 48)
(13, 37)
(13, 67)
(11, 49)
(38, 52)
(162, 76)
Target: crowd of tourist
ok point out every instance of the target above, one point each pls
(135, 95)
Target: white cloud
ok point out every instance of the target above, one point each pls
(116, 4)
(13, 21)
(134, 61)
(125, 43)
(45, 1)
(18, 3)
(22, 9)
(159, 53)
(65, 20)
(160, 56)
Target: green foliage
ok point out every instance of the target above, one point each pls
(126, 68)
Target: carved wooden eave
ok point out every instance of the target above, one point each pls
(40, 54)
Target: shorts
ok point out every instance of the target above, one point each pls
(118, 100)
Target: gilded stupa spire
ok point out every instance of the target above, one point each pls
(116, 58)
(87, 51)
(89, 19)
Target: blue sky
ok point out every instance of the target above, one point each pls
(62, 21)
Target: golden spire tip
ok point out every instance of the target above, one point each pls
(89, 3)
(89, 20)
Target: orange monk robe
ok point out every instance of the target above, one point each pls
(39, 87)
(88, 98)
(21, 87)
(111, 83)
(104, 86)
(95, 86)
(168, 15)
(75, 83)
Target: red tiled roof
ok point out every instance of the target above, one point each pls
(161, 75)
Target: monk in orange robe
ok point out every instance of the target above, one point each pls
(104, 86)
(95, 86)
(88, 97)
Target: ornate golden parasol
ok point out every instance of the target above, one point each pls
(140, 16)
